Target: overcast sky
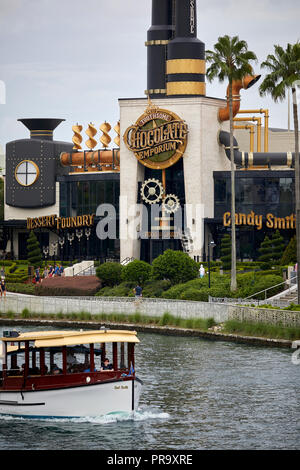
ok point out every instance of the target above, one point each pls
(73, 59)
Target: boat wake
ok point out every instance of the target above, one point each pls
(110, 418)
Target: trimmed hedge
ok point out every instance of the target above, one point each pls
(110, 273)
(136, 271)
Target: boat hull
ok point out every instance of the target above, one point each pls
(87, 400)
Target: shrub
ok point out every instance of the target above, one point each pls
(125, 289)
(278, 246)
(260, 284)
(290, 253)
(176, 266)
(109, 273)
(136, 271)
(34, 251)
(226, 252)
(21, 288)
(155, 288)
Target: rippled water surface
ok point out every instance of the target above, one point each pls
(197, 394)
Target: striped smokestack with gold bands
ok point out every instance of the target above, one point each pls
(186, 66)
(158, 37)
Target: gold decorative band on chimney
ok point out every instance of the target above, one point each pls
(186, 66)
(186, 88)
(157, 42)
(41, 132)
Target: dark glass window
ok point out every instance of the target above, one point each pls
(220, 190)
(83, 197)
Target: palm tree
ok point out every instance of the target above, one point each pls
(230, 61)
(284, 71)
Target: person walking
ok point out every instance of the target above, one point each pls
(37, 275)
(138, 292)
(3, 288)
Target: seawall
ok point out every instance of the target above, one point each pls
(220, 312)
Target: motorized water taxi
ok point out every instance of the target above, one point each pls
(68, 374)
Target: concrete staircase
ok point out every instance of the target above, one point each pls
(284, 298)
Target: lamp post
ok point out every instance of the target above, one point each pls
(79, 234)
(61, 242)
(46, 252)
(211, 244)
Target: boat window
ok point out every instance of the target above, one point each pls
(53, 361)
(123, 355)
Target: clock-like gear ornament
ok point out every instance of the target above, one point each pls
(152, 191)
(171, 203)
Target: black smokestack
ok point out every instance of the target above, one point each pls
(158, 37)
(186, 54)
(41, 128)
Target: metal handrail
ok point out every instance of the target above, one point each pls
(265, 290)
(83, 270)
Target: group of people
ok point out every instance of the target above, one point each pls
(49, 271)
(74, 366)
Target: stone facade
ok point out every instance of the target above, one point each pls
(203, 155)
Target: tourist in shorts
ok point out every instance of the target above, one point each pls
(3, 288)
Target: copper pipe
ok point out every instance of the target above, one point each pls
(251, 128)
(266, 113)
(108, 158)
(253, 119)
(237, 85)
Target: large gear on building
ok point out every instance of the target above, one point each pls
(171, 203)
(152, 191)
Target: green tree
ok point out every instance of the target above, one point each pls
(136, 271)
(230, 61)
(176, 266)
(278, 246)
(34, 254)
(266, 250)
(290, 253)
(110, 273)
(284, 71)
(226, 252)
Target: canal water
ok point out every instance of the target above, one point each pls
(198, 394)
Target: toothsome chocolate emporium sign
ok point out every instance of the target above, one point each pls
(158, 139)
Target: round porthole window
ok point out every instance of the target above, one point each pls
(26, 173)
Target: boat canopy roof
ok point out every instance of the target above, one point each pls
(46, 339)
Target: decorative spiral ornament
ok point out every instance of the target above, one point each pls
(105, 139)
(117, 131)
(91, 132)
(77, 137)
(152, 191)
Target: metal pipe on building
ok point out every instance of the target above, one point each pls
(253, 119)
(255, 159)
(251, 128)
(246, 83)
(98, 159)
(266, 114)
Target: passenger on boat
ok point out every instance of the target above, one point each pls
(106, 365)
(71, 358)
(55, 370)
